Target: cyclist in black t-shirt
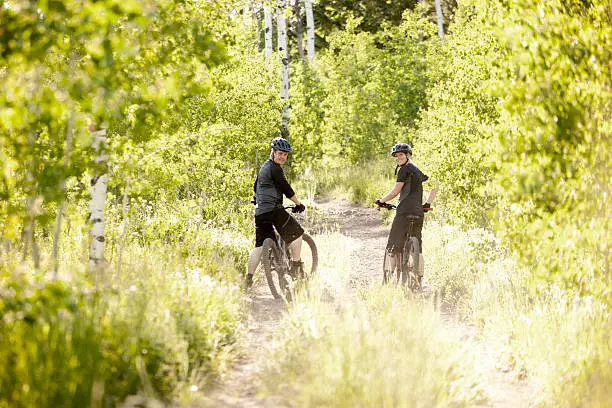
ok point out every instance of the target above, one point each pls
(409, 186)
(269, 187)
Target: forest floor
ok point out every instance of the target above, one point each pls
(240, 387)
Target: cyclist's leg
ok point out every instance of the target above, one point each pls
(254, 260)
(263, 229)
(394, 262)
(291, 232)
(395, 244)
(296, 248)
(421, 265)
(297, 266)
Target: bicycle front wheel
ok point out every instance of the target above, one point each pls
(309, 256)
(274, 268)
(388, 275)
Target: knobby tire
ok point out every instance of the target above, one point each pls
(314, 255)
(410, 270)
(273, 265)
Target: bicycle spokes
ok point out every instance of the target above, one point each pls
(277, 261)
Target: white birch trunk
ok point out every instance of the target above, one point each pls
(440, 20)
(310, 31)
(268, 32)
(99, 184)
(281, 23)
(421, 32)
(299, 28)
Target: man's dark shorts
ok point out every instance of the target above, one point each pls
(288, 228)
(400, 228)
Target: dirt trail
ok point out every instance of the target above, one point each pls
(365, 228)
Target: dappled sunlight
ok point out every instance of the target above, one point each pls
(131, 134)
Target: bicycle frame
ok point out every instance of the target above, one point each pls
(411, 220)
(283, 247)
(277, 263)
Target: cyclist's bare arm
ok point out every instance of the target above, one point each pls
(432, 194)
(295, 200)
(393, 193)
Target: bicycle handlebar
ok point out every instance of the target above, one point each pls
(393, 207)
(292, 207)
(387, 206)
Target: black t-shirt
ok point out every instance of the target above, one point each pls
(411, 195)
(269, 188)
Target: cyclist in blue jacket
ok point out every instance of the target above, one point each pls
(269, 187)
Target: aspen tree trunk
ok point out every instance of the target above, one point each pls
(310, 31)
(99, 183)
(281, 23)
(299, 28)
(421, 33)
(268, 32)
(440, 20)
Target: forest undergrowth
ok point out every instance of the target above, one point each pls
(553, 338)
(506, 103)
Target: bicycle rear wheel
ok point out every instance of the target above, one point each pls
(410, 264)
(390, 275)
(275, 269)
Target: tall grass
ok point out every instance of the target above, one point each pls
(163, 325)
(381, 351)
(374, 348)
(558, 340)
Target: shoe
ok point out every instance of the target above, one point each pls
(419, 284)
(248, 281)
(297, 270)
(414, 283)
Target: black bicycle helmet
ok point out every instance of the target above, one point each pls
(278, 143)
(401, 147)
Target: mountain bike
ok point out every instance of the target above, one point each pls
(407, 273)
(276, 260)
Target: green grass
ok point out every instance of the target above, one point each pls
(560, 342)
(381, 351)
(169, 322)
(374, 349)
(556, 339)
